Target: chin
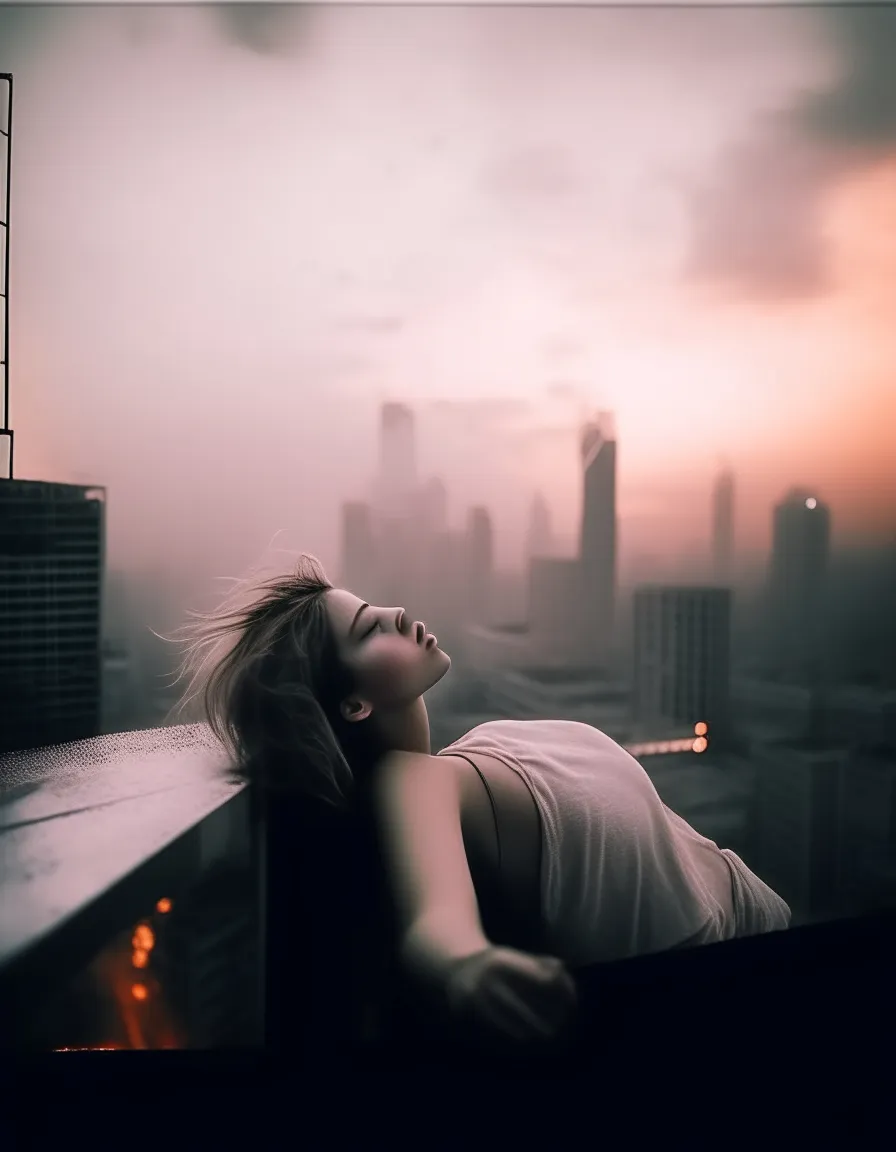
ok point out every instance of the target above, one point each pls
(443, 662)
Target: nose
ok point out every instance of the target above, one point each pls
(401, 619)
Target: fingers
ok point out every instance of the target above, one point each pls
(515, 996)
(532, 999)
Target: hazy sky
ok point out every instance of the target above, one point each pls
(235, 232)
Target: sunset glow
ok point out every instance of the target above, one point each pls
(596, 210)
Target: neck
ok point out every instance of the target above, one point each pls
(405, 729)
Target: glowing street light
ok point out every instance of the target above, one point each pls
(143, 937)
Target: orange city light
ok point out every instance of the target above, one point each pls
(140, 958)
(143, 937)
(139, 992)
(700, 729)
(700, 744)
(164, 905)
(92, 1048)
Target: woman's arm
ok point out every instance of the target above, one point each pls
(513, 995)
(418, 809)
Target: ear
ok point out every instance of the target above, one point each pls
(352, 709)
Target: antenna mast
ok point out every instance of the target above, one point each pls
(6, 459)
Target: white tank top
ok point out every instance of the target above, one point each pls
(621, 874)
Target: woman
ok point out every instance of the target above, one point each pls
(521, 849)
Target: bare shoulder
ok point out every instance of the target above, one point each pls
(488, 780)
(415, 774)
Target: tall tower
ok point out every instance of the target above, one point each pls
(539, 539)
(723, 528)
(556, 634)
(398, 459)
(432, 507)
(598, 536)
(358, 548)
(683, 656)
(801, 533)
(480, 563)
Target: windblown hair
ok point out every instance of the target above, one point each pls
(269, 680)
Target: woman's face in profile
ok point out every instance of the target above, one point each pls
(393, 659)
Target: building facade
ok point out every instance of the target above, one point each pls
(799, 804)
(480, 566)
(539, 535)
(398, 459)
(52, 546)
(558, 622)
(359, 556)
(682, 657)
(797, 580)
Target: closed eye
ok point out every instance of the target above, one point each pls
(370, 631)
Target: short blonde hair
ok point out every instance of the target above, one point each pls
(269, 682)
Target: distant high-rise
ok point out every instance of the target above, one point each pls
(51, 576)
(480, 560)
(797, 585)
(723, 528)
(433, 506)
(682, 657)
(398, 458)
(358, 547)
(556, 615)
(799, 822)
(598, 535)
(539, 539)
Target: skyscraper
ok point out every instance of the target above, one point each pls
(539, 539)
(682, 657)
(432, 507)
(797, 585)
(556, 630)
(480, 564)
(51, 574)
(799, 822)
(358, 547)
(723, 528)
(398, 459)
(598, 535)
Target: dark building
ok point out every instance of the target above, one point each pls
(51, 574)
(556, 633)
(398, 459)
(598, 536)
(539, 538)
(480, 564)
(358, 546)
(682, 657)
(799, 821)
(796, 588)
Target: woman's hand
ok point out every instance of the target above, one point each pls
(512, 996)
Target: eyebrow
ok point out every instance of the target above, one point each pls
(355, 621)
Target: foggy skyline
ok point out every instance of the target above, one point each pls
(235, 234)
